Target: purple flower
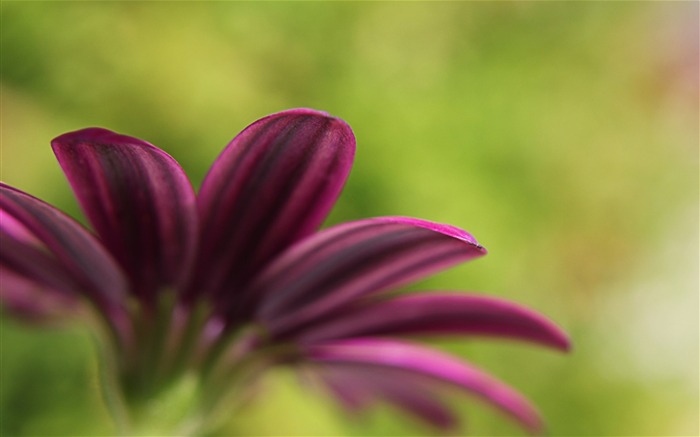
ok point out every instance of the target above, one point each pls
(227, 282)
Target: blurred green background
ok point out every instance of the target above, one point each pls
(563, 135)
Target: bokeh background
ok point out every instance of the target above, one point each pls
(563, 135)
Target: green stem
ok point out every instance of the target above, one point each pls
(232, 378)
(156, 395)
(111, 389)
(142, 379)
(192, 332)
(157, 352)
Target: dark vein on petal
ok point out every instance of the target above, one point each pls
(260, 178)
(362, 255)
(231, 243)
(283, 195)
(287, 326)
(313, 250)
(247, 148)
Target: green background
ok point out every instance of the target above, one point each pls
(564, 136)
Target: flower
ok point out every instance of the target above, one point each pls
(228, 282)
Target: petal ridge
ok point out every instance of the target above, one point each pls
(355, 386)
(347, 261)
(139, 201)
(439, 313)
(430, 363)
(272, 185)
(83, 257)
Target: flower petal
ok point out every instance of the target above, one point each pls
(16, 230)
(69, 258)
(34, 302)
(429, 363)
(33, 285)
(274, 184)
(23, 261)
(139, 201)
(342, 263)
(356, 385)
(439, 313)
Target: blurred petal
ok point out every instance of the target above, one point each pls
(29, 300)
(356, 385)
(274, 184)
(23, 261)
(69, 259)
(436, 365)
(345, 262)
(139, 201)
(15, 229)
(347, 389)
(440, 313)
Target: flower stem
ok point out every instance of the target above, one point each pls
(111, 389)
(196, 318)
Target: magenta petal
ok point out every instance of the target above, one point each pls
(351, 393)
(139, 201)
(20, 261)
(440, 313)
(429, 363)
(274, 184)
(32, 301)
(356, 385)
(345, 262)
(69, 259)
(11, 227)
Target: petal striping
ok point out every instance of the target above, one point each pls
(31, 300)
(381, 353)
(439, 313)
(139, 201)
(357, 385)
(21, 260)
(274, 184)
(341, 264)
(80, 255)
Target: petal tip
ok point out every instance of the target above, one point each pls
(335, 127)
(97, 136)
(565, 345)
(559, 340)
(304, 111)
(445, 229)
(89, 133)
(307, 111)
(339, 122)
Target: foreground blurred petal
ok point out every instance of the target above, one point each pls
(12, 228)
(274, 184)
(440, 313)
(70, 258)
(357, 385)
(342, 263)
(32, 301)
(20, 260)
(139, 201)
(436, 365)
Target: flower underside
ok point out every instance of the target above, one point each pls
(222, 284)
